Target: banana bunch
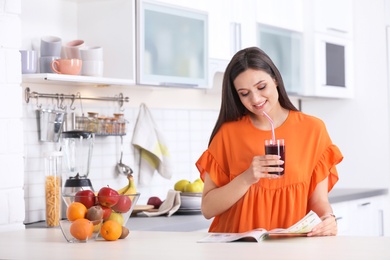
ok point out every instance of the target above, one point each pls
(129, 188)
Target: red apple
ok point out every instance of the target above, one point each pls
(123, 205)
(106, 212)
(86, 197)
(155, 202)
(107, 197)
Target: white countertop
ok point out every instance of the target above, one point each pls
(35, 243)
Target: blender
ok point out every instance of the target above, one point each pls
(77, 149)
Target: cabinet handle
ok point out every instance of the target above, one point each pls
(235, 33)
(336, 30)
(171, 84)
(339, 218)
(381, 226)
(364, 204)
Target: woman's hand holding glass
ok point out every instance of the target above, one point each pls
(263, 166)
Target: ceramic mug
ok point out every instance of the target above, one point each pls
(29, 61)
(50, 46)
(67, 66)
(91, 53)
(72, 49)
(92, 68)
(45, 63)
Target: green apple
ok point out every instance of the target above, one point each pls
(117, 217)
(193, 187)
(201, 182)
(180, 185)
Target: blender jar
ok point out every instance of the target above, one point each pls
(77, 147)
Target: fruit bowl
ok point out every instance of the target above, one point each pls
(190, 200)
(82, 237)
(96, 209)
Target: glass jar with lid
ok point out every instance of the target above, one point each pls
(101, 125)
(121, 121)
(93, 122)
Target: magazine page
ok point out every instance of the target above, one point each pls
(253, 235)
(301, 228)
(304, 226)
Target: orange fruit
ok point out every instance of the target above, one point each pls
(81, 229)
(76, 210)
(111, 230)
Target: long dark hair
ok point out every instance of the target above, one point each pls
(250, 58)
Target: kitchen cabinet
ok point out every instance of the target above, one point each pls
(329, 53)
(334, 17)
(361, 217)
(172, 45)
(285, 48)
(110, 24)
(333, 63)
(285, 14)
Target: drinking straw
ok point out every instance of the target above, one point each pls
(272, 126)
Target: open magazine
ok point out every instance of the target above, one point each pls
(301, 228)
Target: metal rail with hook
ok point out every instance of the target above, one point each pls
(61, 97)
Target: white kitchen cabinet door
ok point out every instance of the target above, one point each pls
(333, 63)
(367, 217)
(172, 45)
(287, 14)
(362, 217)
(110, 24)
(334, 17)
(285, 48)
(232, 27)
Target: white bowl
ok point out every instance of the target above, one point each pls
(190, 201)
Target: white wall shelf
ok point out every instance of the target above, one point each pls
(51, 78)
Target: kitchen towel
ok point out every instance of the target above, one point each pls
(153, 151)
(170, 205)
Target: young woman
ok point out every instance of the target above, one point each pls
(241, 189)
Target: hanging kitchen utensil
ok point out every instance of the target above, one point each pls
(123, 168)
(50, 124)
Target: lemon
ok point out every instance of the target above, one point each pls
(179, 186)
(193, 187)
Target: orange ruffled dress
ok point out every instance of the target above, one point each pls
(278, 203)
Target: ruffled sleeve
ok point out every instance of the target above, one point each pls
(326, 167)
(207, 163)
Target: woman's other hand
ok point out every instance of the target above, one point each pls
(328, 227)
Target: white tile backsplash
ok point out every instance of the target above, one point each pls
(186, 133)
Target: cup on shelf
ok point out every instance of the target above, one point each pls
(91, 53)
(92, 68)
(67, 66)
(92, 61)
(45, 63)
(29, 61)
(72, 49)
(51, 46)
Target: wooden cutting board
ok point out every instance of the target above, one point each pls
(140, 208)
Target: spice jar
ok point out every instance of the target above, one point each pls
(53, 182)
(101, 125)
(93, 122)
(121, 121)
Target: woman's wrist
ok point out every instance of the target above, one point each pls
(330, 214)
